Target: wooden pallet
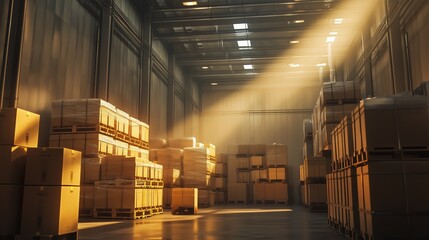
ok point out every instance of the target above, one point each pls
(98, 128)
(88, 212)
(123, 213)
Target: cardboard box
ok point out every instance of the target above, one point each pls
(171, 177)
(219, 183)
(12, 164)
(243, 177)
(120, 167)
(220, 169)
(91, 168)
(276, 155)
(184, 198)
(256, 161)
(86, 202)
(19, 127)
(167, 196)
(83, 112)
(53, 166)
(277, 174)
(50, 210)
(10, 208)
(188, 142)
(237, 192)
(258, 175)
(205, 198)
(281, 194)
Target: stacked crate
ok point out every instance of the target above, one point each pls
(184, 201)
(99, 129)
(257, 174)
(314, 170)
(384, 194)
(51, 194)
(129, 188)
(198, 167)
(336, 100)
(19, 130)
(219, 179)
(187, 164)
(95, 127)
(172, 160)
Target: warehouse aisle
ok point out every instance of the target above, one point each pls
(222, 222)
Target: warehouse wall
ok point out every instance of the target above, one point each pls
(259, 116)
(4, 9)
(417, 32)
(389, 55)
(85, 49)
(58, 56)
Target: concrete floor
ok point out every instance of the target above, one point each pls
(221, 222)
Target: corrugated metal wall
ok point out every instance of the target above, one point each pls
(4, 9)
(158, 107)
(418, 38)
(179, 118)
(58, 56)
(263, 116)
(124, 76)
(59, 60)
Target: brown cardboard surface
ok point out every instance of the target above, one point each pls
(12, 164)
(53, 166)
(19, 127)
(50, 210)
(184, 197)
(10, 208)
(90, 170)
(86, 197)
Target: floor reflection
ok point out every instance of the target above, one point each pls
(229, 222)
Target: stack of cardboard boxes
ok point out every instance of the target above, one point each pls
(19, 130)
(257, 174)
(129, 188)
(220, 179)
(98, 129)
(187, 164)
(336, 100)
(312, 172)
(51, 193)
(380, 191)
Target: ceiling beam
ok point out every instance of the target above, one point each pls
(231, 18)
(290, 5)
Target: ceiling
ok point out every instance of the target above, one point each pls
(284, 37)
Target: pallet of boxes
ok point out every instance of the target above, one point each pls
(219, 179)
(188, 170)
(336, 100)
(378, 189)
(257, 174)
(118, 180)
(41, 184)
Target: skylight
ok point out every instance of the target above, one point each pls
(330, 39)
(240, 26)
(189, 3)
(248, 66)
(244, 43)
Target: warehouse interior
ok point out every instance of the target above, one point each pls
(322, 102)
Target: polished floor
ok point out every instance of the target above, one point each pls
(222, 222)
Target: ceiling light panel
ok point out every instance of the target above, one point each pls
(189, 3)
(244, 43)
(330, 39)
(240, 26)
(248, 66)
